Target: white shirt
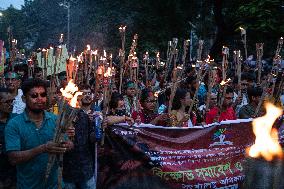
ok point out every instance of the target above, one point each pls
(243, 103)
(18, 104)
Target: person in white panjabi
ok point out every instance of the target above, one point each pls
(13, 83)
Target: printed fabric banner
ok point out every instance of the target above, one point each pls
(50, 60)
(176, 158)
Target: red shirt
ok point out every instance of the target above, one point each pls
(229, 114)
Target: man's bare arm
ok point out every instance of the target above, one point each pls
(17, 157)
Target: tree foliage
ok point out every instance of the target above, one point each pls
(96, 22)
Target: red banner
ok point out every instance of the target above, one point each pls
(186, 158)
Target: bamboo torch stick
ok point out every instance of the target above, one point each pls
(170, 44)
(172, 49)
(45, 55)
(199, 50)
(280, 90)
(239, 69)
(210, 86)
(131, 54)
(185, 49)
(225, 52)
(173, 89)
(121, 55)
(221, 102)
(259, 54)
(244, 40)
(263, 95)
(64, 120)
(200, 78)
(106, 92)
(158, 60)
(146, 62)
(276, 65)
(174, 81)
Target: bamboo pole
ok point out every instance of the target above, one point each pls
(171, 51)
(210, 86)
(259, 54)
(121, 55)
(173, 89)
(239, 70)
(225, 52)
(276, 65)
(146, 63)
(264, 94)
(244, 40)
(185, 49)
(200, 78)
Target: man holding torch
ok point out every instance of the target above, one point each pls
(78, 169)
(28, 139)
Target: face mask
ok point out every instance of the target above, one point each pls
(120, 112)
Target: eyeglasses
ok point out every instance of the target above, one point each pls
(36, 95)
(87, 93)
(150, 101)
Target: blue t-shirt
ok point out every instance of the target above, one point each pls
(22, 134)
(7, 171)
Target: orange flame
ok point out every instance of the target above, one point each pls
(72, 58)
(225, 82)
(74, 102)
(266, 142)
(71, 93)
(108, 72)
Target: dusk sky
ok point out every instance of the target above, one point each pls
(16, 3)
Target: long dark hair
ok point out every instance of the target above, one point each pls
(145, 93)
(180, 94)
(114, 100)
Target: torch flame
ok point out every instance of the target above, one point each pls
(108, 72)
(73, 101)
(71, 93)
(243, 31)
(266, 142)
(72, 58)
(225, 82)
(88, 47)
(95, 52)
(156, 94)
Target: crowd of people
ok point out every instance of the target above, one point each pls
(28, 117)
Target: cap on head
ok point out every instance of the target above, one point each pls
(130, 85)
(12, 75)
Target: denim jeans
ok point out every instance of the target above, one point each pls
(89, 184)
